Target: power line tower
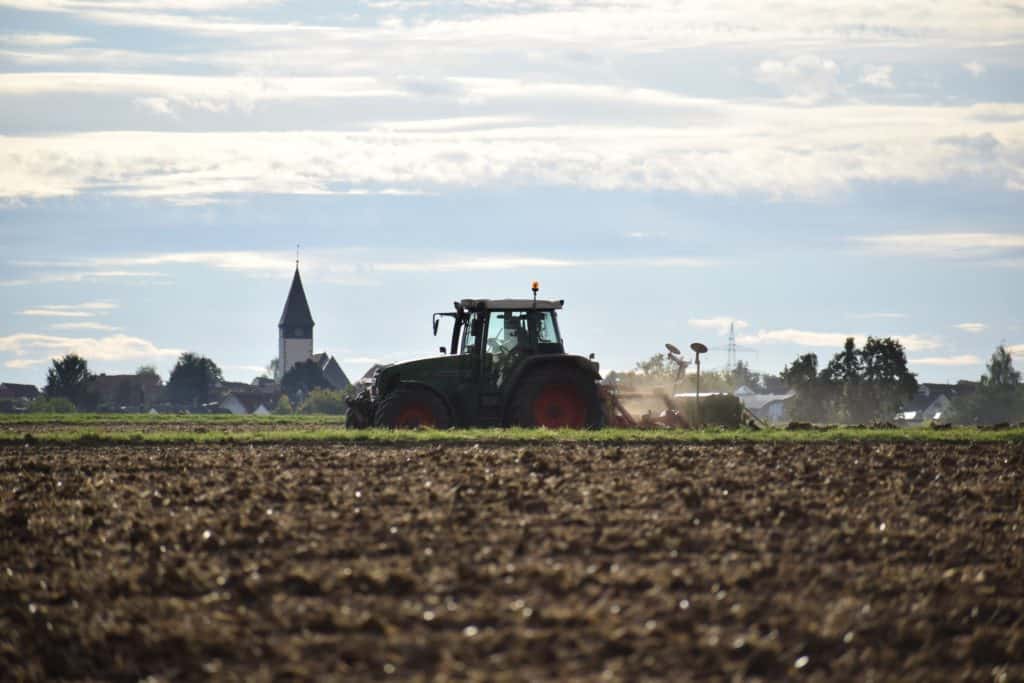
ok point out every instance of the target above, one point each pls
(732, 349)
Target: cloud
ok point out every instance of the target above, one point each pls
(805, 79)
(720, 324)
(729, 148)
(84, 326)
(911, 342)
(952, 246)
(946, 360)
(27, 347)
(83, 310)
(41, 40)
(877, 76)
(1015, 348)
(350, 266)
(973, 328)
(974, 68)
(52, 277)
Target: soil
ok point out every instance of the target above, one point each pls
(817, 561)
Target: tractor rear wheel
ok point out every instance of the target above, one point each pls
(411, 407)
(557, 397)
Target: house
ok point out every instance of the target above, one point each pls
(932, 401)
(125, 391)
(16, 397)
(332, 372)
(246, 403)
(768, 407)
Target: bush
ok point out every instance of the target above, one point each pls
(324, 401)
(52, 405)
(284, 406)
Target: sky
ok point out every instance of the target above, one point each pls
(805, 171)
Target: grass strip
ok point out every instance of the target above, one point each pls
(517, 436)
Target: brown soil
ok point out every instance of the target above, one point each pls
(825, 562)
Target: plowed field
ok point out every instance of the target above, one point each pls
(575, 561)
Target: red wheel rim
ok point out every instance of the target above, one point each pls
(558, 406)
(416, 415)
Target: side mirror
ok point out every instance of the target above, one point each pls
(478, 327)
(436, 321)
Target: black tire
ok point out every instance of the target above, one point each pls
(557, 396)
(409, 407)
(356, 418)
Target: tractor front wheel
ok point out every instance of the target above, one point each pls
(557, 397)
(411, 407)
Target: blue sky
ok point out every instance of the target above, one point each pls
(665, 167)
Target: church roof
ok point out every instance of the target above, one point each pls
(296, 308)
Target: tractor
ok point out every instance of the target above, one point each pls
(506, 366)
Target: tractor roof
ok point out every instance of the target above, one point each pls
(509, 304)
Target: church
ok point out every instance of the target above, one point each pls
(295, 338)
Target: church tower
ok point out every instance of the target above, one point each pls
(295, 330)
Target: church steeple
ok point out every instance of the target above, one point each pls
(296, 319)
(295, 329)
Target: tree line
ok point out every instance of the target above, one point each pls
(194, 383)
(858, 385)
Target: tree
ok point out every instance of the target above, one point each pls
(271, 370)
(193, 380)
(149, 372)
(284, 406)
(810, 403)
(51, 405)
(1000, 395)
(69, 378)
(301, 379)
(324, 401)
(741, 376)
(1000, 369)
(886, 381)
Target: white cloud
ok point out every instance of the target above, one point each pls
(973, 328)
(961, 245)
(1016, 348)
(52, 277)
(163, 93)
(798, 337)
(805, 79)
(27, 347)
(911, 342)
(41, 40)
(720, 324)
(974, 68)
(84, 326)
(772, 149)
(946, 360)
(877, 76)
(84, 310)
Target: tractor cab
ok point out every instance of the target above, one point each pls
(502, 351)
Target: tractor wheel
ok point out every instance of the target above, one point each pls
(356, 418)
(557, 397)
(411, 407)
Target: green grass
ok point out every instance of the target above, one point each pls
(146, 429)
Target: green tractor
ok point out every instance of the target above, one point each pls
(506, 367)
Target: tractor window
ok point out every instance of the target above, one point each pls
(545, 330)
(472, 333)
(506, 332)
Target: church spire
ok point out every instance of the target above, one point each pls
(296, 314)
